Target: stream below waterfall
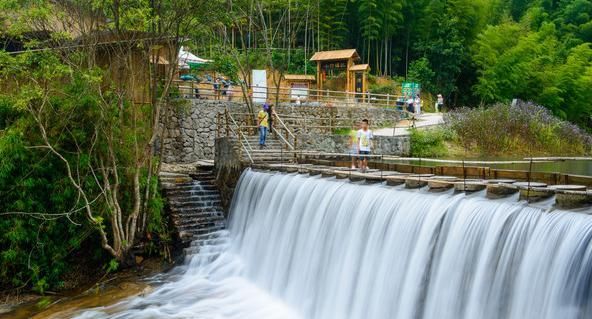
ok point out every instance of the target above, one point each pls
(311, 247)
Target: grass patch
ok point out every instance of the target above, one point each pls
(430, 143)
(342, 131)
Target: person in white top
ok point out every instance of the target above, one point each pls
(440, 104)
(365, 137)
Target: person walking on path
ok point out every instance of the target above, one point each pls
(365, 137)
(353, 144)
(263, 124)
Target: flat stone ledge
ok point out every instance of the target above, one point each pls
(339, 174)
(537, 194)
(500, 190)
(421, 175)
(530, 184)
(469, 186)
(444, 178)
(436, 185)
(568, 187)
(415, 182)
(500, 181)
(357, 177)
(395, 180)
(572, 199)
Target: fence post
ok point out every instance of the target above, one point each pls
(218, 125)
(227, 125)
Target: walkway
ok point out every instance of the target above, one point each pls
(422, 121)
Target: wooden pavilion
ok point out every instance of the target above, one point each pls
(341, 63)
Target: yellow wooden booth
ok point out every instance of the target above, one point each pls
(337, 71)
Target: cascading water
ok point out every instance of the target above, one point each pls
(308, 247)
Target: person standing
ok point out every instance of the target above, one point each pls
(365, 137)
(263, 124)
(410, 102)
(216, 88)
(440, 105)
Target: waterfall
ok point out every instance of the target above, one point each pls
(312, 247)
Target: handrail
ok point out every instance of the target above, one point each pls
(287, 130)
(283, 139)
(192, 89)
(273, 89)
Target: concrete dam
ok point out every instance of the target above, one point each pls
(307, 247)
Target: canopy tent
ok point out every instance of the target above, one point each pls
(189, 60)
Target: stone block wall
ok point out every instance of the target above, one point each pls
(391, 145)
(307, 119)
(228, 168)
(191, 129)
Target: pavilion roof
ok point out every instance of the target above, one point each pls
(335, 55)
(360, 67)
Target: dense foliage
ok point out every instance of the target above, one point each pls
(78, 129)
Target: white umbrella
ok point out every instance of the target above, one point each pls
(186, 57)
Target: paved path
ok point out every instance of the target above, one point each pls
(423, 120)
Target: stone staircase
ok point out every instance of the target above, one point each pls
(195, 205)
(275, 152)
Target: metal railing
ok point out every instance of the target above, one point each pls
(284, 132)
(231, 126)
(302, 96)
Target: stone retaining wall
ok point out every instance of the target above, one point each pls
(397, 145)
(321, 119)
(228, 168)
(191, 129)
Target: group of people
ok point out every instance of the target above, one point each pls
(223, 87)
(361, 140)
(413, 104)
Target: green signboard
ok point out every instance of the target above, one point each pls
(411, 89)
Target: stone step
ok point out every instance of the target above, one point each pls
(209, 253)
(212, 241)
(194, 224)
(215, 215)
(189, 187)
(211, 235)
(195, 210)
(190, 193)
(195, 198)
(195, 204)
(207, 230)
(198, 226)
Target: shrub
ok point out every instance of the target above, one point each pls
(523, 128)
(429, 143)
